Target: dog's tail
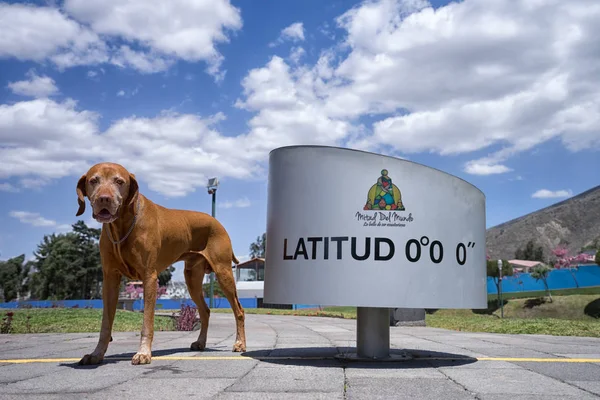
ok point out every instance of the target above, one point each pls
(234, 258)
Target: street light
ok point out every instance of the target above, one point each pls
(500, 288)
(213, 183)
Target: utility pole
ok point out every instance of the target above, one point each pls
(213, 183)
(500, 288)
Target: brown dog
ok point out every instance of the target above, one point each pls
(140, 239)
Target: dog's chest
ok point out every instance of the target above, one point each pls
(125, 268)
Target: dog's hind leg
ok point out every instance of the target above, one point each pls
(194, 275)
(226, 281)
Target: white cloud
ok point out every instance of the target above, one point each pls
(35, 86)
(34, 33)
(35, 219)
(30, 218)
(42, 138)
(243, 202)
(173, 153)
(33, 183)
(474, 76)
(154, 34)
(128, 93)
(177, 29)
(296, 54)
(479, 168)
(7, 187)
(289, 109)
(293, 33)
(466, 77)
(92, 74)
(144, 62)
(549, 194)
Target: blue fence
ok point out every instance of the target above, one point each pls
(584, 276)
(138, 304)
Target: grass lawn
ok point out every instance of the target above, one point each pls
(71, 320)
(565, 316)
(572, 313)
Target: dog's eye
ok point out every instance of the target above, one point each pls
(93, 181)
(119, 181)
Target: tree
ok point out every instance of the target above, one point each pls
(563, 260)
(12, 277)
(258, 248)
(492, 272)
(67, 266)
(217, 291)
(540, 272)
(165, 277)
(597, 259)
(593, 245)
(87, 243)
(531, 252)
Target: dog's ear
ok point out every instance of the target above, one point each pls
(133, 189)
(81, 193)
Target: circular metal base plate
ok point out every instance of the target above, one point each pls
(393, 357)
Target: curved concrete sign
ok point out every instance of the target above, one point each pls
(352, 228)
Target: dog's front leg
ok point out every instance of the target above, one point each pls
(110, 297)
(144, 354)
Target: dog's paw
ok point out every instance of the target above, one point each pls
(91, 359)
(198, 345)
(239, 347)
(141, 358)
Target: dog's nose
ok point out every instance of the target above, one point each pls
(104, 199)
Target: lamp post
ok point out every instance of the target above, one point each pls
(213, 183)
(500, 288)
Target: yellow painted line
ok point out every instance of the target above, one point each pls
(38, 360)
(267, 358)
(557, 360)
(175, 358)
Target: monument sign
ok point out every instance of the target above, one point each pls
(352, 228)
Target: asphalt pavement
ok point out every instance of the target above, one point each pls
(291, 357)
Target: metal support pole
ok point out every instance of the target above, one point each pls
(373, 337)
(372, 332)
(212, 274)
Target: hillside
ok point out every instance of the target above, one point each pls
(574, 222)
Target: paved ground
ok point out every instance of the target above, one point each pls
(292, 358)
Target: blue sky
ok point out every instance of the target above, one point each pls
(501, 93)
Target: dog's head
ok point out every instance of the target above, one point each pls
(110, 188)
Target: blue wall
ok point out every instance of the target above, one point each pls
(164, 304)
(585, 276)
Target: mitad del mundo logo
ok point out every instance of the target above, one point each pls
(385, 198)
(384, 195)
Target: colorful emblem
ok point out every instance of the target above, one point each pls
(384, 195)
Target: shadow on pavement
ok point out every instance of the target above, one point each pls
(326, 357)
(126, 357)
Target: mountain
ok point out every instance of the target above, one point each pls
(574, 223)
